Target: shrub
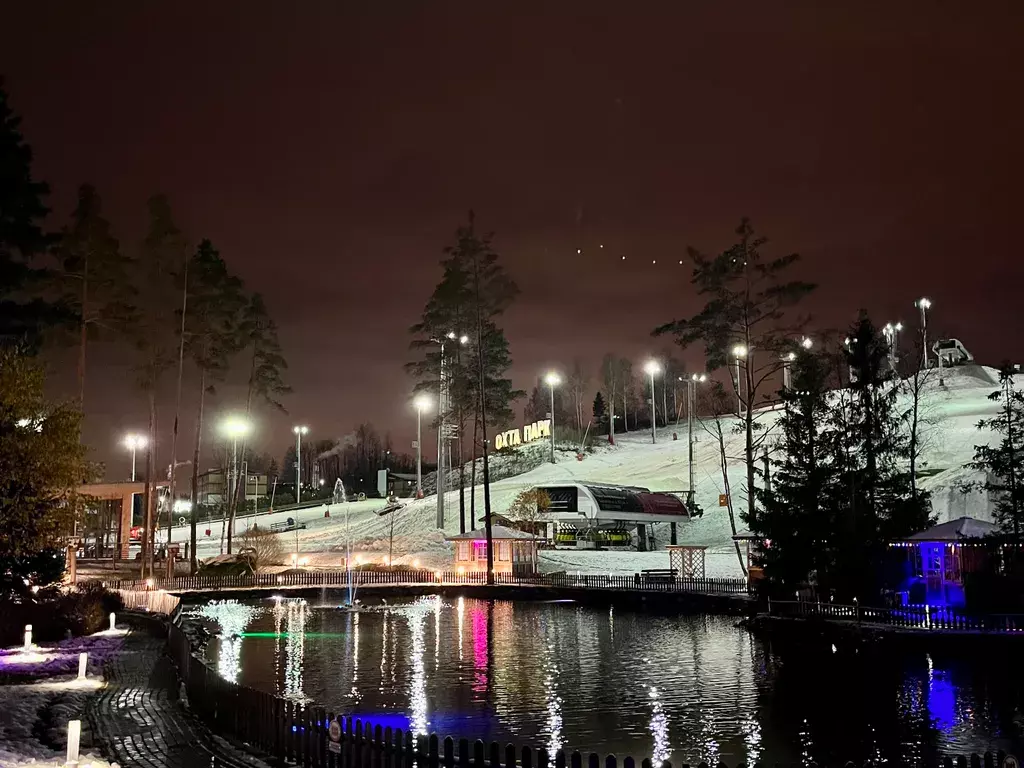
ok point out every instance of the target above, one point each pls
(264, 547)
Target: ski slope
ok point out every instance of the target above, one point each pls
(949, 417)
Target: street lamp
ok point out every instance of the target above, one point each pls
(552, 380)
(443, 431)
(788, 358)
(739, 351)
(652, 367)
(691, 389)
(135, 443)
(422, 403)
(924, 304)
(300, 432)
(892, 336)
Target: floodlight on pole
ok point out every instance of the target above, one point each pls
(299, 431)
(135, 443)
(422, 403)
(806, 342)
(234, 427)
(652, 367)
(739, 351)
(691, 396)
(552, 379)
(924, 304)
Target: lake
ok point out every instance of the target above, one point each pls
(614, 680)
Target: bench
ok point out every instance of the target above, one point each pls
(658, 575)
(285, 527)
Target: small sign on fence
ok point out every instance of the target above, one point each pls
(334, 737)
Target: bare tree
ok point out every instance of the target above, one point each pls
(264, 547)
(611, 375)
(577, 384)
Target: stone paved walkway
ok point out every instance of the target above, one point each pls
(138, 720)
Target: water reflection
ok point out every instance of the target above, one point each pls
(354, 630)
(460, 608)
(659, 729)
(232, 618)
(418, 722)
(295, 651)
(618, 681)
(553, 701)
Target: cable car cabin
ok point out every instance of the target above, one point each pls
(515, 552)
(597, 515)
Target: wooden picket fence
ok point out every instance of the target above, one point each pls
(638, 582)
(908, 616)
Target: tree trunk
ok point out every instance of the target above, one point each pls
(462, 476)
(472, 480)
(193, 560)
(625, 411)
(177, 412)
(611, 417)
(719, 435)
(84, 329)
(148, 516)
(1012, 463)
(241, 456)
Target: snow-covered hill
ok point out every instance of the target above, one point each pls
(949, 433)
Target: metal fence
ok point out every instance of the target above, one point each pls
(637, 582)
(907, 616)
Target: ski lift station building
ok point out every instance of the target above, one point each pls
(589, 515)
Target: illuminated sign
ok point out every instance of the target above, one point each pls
(527, 434)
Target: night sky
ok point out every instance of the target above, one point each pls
(330, 150)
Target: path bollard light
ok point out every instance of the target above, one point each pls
(28, 638)
(112, 617)
(74, 737)
(83, 659)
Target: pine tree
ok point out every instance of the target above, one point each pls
(156, 274)
(599, 408)
(24, 314)
(1003, 463)
(43, 465)
(95, 277)
(748, 309)
(794, 520)
(258, 334)
(872, 493)
(212, 339)
(473, 293)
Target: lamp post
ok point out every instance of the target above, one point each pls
(134, 443)
(691, 388)
(892, 337)
(552, 380)
(300, 432)
(788, 358)
(652, 367)
(739, 351)
(422, 403)
(443, 405)
(924, 304)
